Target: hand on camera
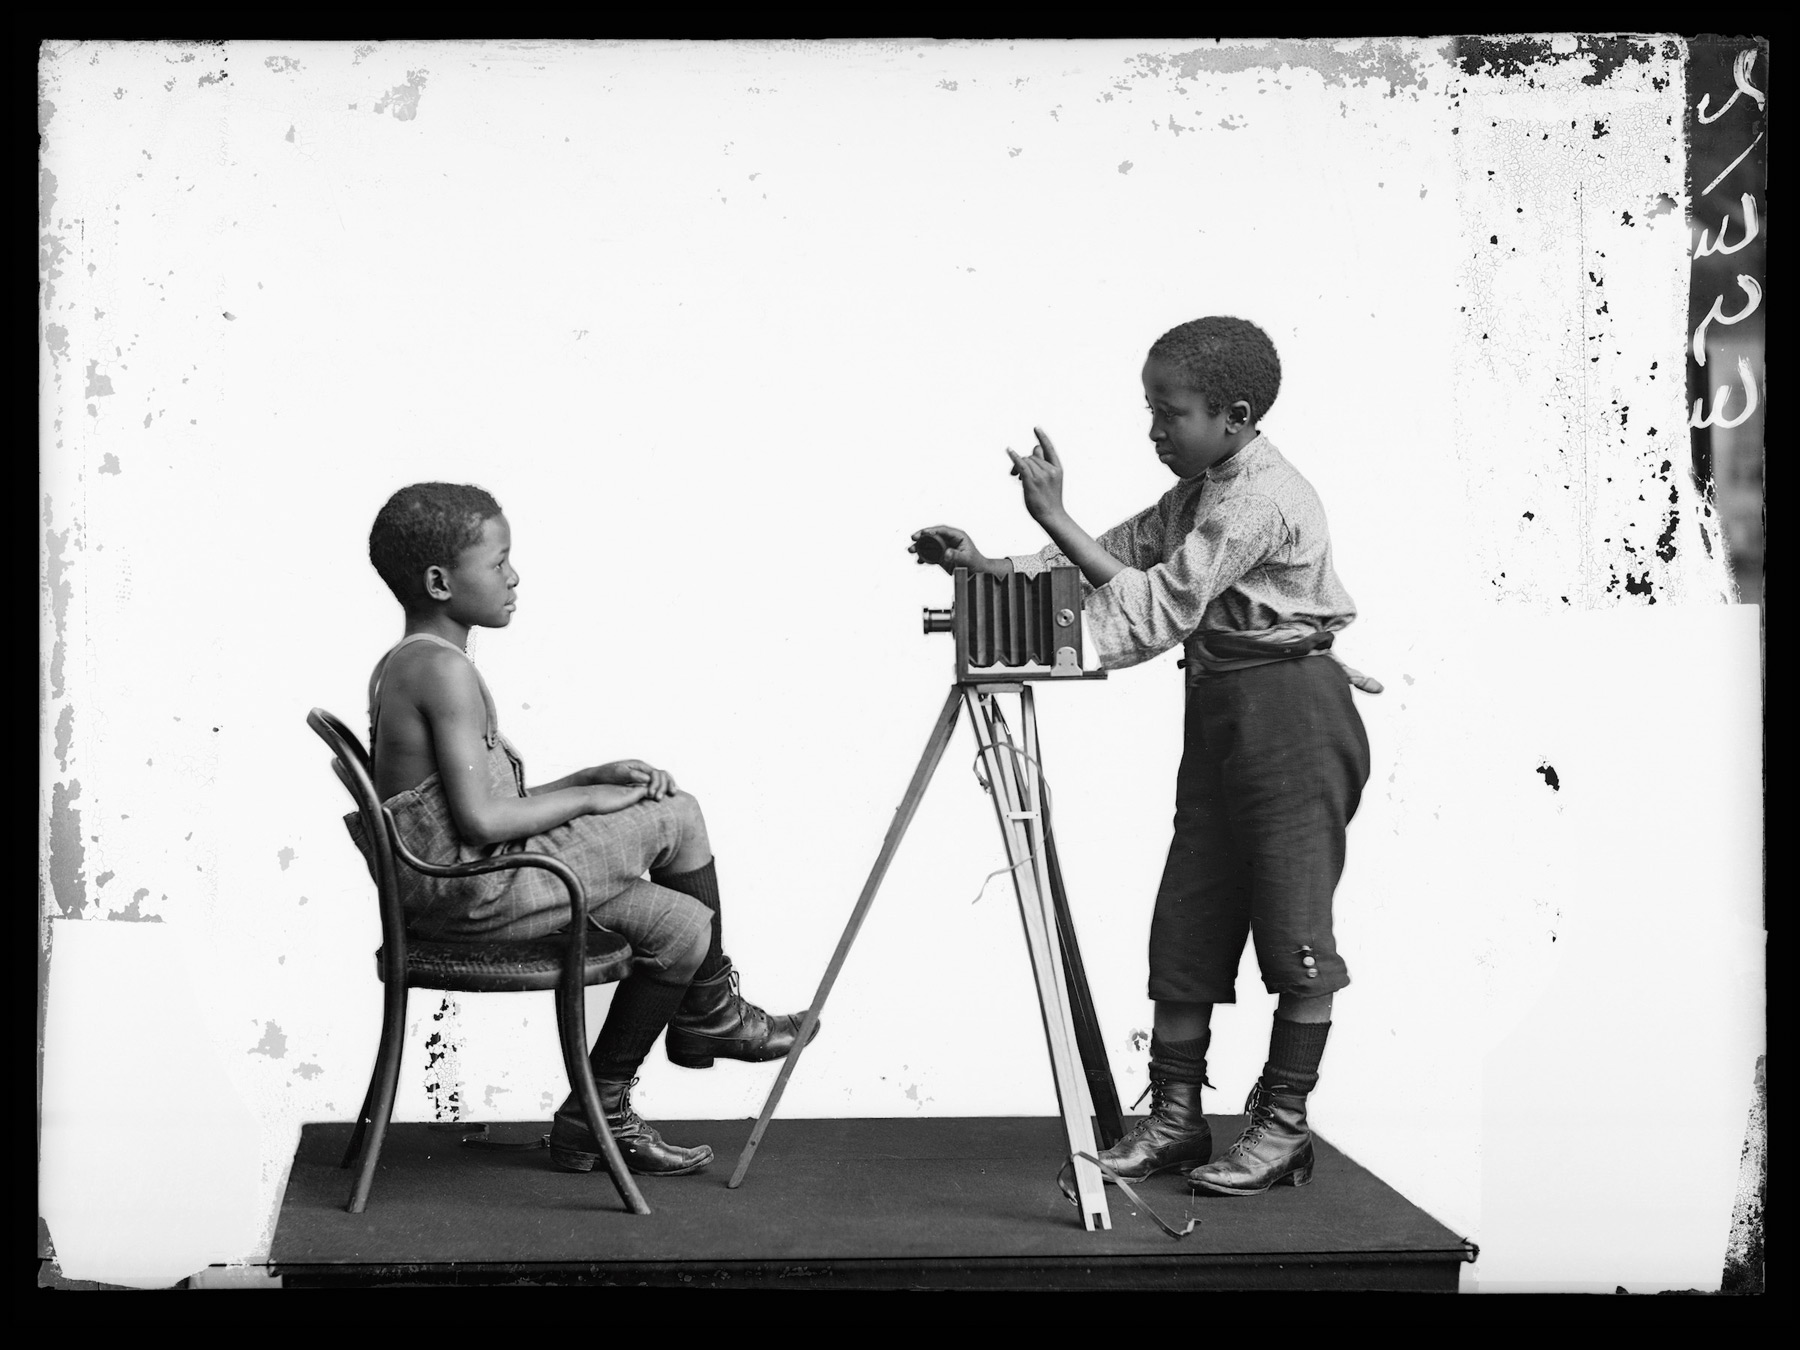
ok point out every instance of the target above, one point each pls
(949, 548)
(1040, 474)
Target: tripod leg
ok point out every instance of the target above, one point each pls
(909, 804)
(1017, 802)
(1109, 1116)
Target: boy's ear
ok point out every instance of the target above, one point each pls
(1238, 414)
(437, 581)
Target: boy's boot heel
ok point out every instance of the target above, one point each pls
(573, 1147)
(1276, 1147)
(716, 1022)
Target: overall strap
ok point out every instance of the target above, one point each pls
(492, 731)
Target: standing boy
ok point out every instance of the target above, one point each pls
(457, 790)
(1234, 563)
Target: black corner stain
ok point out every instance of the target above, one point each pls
(1550, 776)
(1529, 515)
(1600, 128)
(1636, 585)
(1506, 59)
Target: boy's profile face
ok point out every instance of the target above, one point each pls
(482, 584)
(1188, 438)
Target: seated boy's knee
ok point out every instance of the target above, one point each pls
(686, 807)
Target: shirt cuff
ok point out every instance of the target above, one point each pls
(1107, 612)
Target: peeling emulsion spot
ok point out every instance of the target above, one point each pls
(440, 1065)
(1359, 64)
(65, 730)
(110, 464)
(68, 855)
(213, 78)
(134, 912)
(98, 385)
(1125, 166)
(1139, 1038)
(308, 1071)
(281, 65)
(286, 856)
(273, 1042)
(1550, 777)
(947, 84)
(290, 136)
(403, 98)
(55, 565)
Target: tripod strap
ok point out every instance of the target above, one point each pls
(1133, 1196)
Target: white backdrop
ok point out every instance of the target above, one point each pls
(720, 325)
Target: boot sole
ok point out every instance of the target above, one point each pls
(1300, 1176)
(700, 1059)
(575, 1160)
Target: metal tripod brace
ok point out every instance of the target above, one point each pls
(1085, 1092)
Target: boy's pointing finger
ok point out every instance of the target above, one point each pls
(1049, 449)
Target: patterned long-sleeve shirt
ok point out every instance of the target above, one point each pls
(1235, 564)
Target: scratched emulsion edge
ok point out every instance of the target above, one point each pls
(59, 823)
(1617, 508)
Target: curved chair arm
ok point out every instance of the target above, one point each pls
(575, 959)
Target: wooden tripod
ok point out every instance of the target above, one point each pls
(1089, 1101)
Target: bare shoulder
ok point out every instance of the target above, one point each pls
(426, 673)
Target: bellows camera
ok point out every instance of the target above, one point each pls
(1015, 627)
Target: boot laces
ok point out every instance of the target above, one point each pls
(1262, 1115)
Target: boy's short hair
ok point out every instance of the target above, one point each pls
(1226, 360)
(424, 524)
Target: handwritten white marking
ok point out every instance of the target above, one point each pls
(1706, 249)
(1729, 167)
(1740, 71)
(1713, 419)
(1713, 315)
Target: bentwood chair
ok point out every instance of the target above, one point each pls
(566, 963)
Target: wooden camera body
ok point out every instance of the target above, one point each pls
(1015, 627)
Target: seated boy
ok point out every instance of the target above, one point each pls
(457, 790)
(1234, 563)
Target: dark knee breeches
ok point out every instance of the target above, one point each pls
(1273, 766)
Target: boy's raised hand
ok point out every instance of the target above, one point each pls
(1040, 474)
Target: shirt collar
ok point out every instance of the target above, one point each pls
(1227, 469)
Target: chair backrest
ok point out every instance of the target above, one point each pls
(355, 771)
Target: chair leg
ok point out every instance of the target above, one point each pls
(393, 1029)
(571, 1024)
(382, 1090)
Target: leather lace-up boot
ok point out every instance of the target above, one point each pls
(1174, 1134)
(715, 1021)
(573, 1147)
(1275, 1148)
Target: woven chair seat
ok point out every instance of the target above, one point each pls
(479, 967)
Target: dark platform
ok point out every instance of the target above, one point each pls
(853, 1204)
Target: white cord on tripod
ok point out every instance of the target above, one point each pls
(988, 787)
(998, 871)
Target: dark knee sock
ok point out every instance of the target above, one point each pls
(703, 885)
(641, 1008)
(1180, 1061)
(1295, 1049)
